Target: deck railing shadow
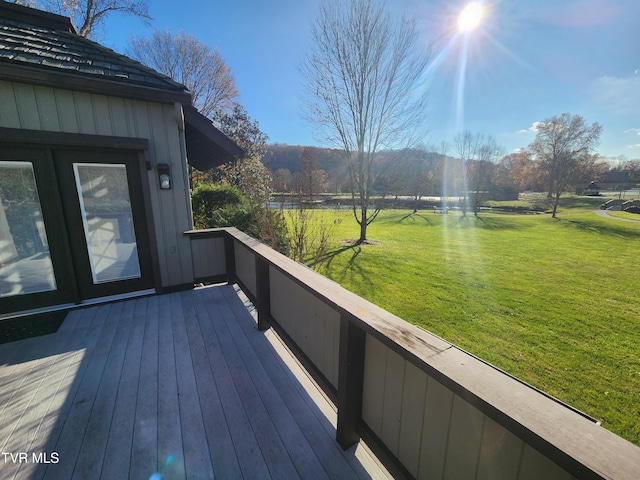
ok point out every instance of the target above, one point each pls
(427, 408)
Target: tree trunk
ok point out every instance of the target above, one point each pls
(363, 225)
(556, 200)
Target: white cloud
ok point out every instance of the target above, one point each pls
(637, 145)
(633, 130)
(535, 126)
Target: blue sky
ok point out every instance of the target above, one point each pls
(528, 61)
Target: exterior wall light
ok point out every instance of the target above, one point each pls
(164, 176)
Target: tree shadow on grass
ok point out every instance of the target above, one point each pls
(491, 223)
(618, 229)
(412, 216)
(351, 269)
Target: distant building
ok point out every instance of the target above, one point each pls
(615, 178)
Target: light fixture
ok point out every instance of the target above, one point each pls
(164, 176)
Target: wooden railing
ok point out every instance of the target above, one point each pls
(427, 408)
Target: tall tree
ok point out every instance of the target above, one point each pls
(563, 146)
(362, 89)
(522, 171)
(311, 178)
(88, 16)
(187, 60)
(478, 155)
(248, 174)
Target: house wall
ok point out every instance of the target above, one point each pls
(41, 108)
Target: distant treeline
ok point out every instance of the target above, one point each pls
(281, 155)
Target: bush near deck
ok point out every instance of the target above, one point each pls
(555, 302)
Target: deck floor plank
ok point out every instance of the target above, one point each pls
(170, 458)
(53, 403)
(117, 458)
(225, 462)
(182, 385)
(271, 444)
(246, 445)
(197, 460)
(302, 453)
(299, 403)
(144, 454)
(75, 426)
(94, 443)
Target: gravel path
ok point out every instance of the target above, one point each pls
(603, 213)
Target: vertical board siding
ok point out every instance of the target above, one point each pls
(48, 109)
(500, 452)
(65, 107)
(435, 430)
(171, 221)
(392, 403)
(9, 116)
(208, 257)
(84, 113)
(311, 323)
(246, 268)
(436, 434)
(375, 364)
(27, 106)
(465, 435)
(413, 404)
(535, 466)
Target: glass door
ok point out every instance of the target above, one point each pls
(34, 261)
(106, 224)
(107, 221)
(25, 259)
(73, 226)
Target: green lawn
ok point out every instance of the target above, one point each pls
(555, 302)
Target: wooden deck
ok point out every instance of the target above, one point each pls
(180, 385)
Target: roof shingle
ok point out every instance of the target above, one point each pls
(53, 44)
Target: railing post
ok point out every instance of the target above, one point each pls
(350, 381)
(230, 258)
(263, 294)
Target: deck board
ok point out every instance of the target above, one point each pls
(252, 464)
(181, 384)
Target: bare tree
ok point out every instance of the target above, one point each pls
(478, 155)
(563, 147)
(362, 89)
(311, 178)
(282, 180)
(188, 61)
(89, 15)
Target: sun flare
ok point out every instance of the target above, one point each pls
(470, 17)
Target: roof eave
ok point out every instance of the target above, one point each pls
(39, 75)
(207, 147)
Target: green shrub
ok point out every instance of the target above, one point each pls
(216, 206)
(207, 200)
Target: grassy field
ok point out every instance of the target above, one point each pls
(555, 302)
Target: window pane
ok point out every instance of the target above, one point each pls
(25, 261)
(108, 222)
